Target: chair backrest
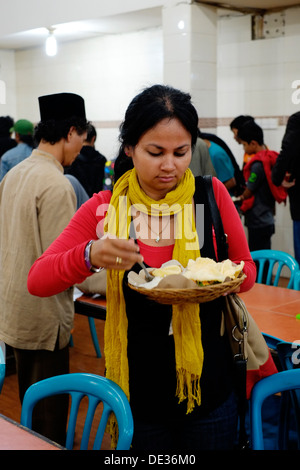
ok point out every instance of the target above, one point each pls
(2, 364)
(297, 280)
(289, 357)
(275, 260)
(272, 341)
(282, 381)
(98, 389)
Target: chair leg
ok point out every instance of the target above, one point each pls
(94, 336)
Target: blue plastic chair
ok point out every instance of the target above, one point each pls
(271, 341)
(98, 389)
(289, 356)
(280, 382)
(297, 280)
(2, 364)
(275, 260)
(290, 401)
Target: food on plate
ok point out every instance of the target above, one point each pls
(206, 271)
(164, 271)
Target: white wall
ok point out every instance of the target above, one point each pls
(107, 71)
(255, 77)
(8, 76)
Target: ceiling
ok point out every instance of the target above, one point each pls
(125, 22)
(114, 24)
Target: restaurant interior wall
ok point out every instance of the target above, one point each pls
(107, 71)
(253, 77)
(257, 77)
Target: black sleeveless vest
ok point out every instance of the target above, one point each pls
(151, 355)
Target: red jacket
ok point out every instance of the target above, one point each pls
(268, 159)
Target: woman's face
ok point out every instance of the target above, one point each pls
(161, 157)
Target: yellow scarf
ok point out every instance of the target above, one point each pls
(185, 318)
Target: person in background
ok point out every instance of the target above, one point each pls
(173, 362)
(23, 130)
(88, 167)
(258, 199)
(36, 203)
(235, 126)
(80, 192)
(222, 163)
(201, 163)
(237, 185)
(286, 172)
(6, 141)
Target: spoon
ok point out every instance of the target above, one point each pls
(148, 276)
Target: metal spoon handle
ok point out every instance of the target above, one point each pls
(148, 276)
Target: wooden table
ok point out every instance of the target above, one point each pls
(91, 306)
(273, 308)
(14, 436)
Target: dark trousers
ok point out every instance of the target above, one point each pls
(217, 431)
(49, 416)
(260, 239)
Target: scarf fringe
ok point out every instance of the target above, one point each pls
(188, 387)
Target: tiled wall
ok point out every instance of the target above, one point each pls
(255, 77)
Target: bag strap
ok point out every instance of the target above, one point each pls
(221, 237)
(240, 364)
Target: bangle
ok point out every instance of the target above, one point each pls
(87, 258)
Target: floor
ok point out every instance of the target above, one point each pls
(82, 359)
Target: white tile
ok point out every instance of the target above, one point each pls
(205, 102)
(177, 74)
(172, 16)
(203, 76)
(203, 47)
(234, 29)
(177, 47)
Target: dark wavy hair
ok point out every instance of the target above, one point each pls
(251, 131)
(239, 121)
(53, 131)
(146, 110)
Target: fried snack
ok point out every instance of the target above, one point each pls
(205, 271)
(166, 271)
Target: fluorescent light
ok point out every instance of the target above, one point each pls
(51, 44)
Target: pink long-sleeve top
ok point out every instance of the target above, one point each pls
(62, 265)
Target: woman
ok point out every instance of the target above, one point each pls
(173, 364)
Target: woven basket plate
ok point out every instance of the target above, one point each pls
(197, 295)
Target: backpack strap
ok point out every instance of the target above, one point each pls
(221, 237)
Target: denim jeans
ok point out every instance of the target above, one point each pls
(217, 431)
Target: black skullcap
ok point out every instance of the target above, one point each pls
(61, 106)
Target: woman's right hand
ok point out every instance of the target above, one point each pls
(114, 253)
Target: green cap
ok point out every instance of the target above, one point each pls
(23, 127)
